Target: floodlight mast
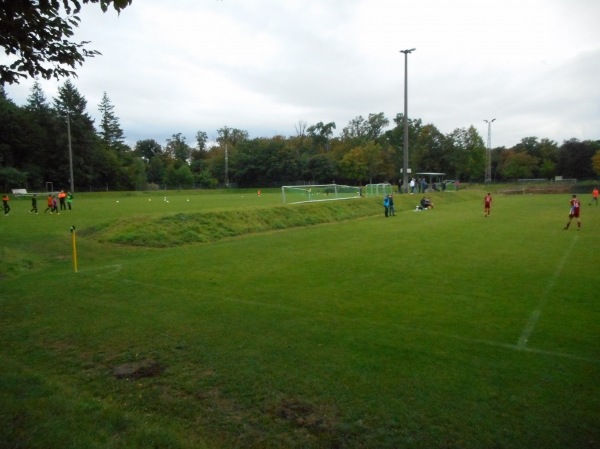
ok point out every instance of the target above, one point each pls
(488, 164)
(226, 167)
(405, 152)
(70, 152)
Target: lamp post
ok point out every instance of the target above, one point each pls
(488, 162)
(405, 153)
(70, 153)
(226, 167)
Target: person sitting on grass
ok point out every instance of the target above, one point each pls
(425, 203)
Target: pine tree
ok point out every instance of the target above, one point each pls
(110, 129)
(46, 126)
(37, 102)
(70, 105)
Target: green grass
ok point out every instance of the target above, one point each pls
(306, 326)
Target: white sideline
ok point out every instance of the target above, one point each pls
(506, 346)
(535, 315)
(106, 269)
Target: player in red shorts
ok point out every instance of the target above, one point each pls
(487, 205)
(574, 211)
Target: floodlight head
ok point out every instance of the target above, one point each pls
(407, 51)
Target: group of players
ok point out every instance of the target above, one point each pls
(53, 202)
(574, 203)
(574, 207)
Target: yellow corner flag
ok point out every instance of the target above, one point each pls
(74, 240)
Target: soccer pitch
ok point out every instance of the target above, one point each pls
(436, 329)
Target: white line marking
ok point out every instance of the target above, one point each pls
(535, 315)
(496, 344)
(107, 269)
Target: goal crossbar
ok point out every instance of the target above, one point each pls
(380, 189)
(319, 192)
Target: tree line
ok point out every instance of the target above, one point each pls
(35, 139)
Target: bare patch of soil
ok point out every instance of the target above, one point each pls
(138, 370)
(305, 415)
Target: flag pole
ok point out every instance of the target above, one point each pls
(74, 241)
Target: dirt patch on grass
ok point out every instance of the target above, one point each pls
(138, 370)
(308, 416)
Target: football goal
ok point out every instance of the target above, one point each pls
(381, 189)
(323, 192)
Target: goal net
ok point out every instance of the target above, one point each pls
(381, 189)
(323, 192)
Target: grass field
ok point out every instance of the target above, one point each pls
(301, 326)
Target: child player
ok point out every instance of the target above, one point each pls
(487, 205)
(574, 211)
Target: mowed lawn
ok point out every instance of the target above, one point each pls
(436, 329)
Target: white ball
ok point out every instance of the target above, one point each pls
(117, 201)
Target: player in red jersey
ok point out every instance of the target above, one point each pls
(574, 211)
(487, 205)
(594, 196)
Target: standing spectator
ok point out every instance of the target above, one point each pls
(391, 205)
(594, 196)
(5, 200)
(49, 203)
(61, 198)
(69, 199)
(487, 205)
(34, 204)
(412, 186)
(423, 188)
(574, 211)
(386, 204)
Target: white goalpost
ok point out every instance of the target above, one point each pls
(320, 192)
(381, 189)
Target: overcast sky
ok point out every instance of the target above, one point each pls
(263, 66)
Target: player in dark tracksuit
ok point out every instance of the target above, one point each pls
(34, 204)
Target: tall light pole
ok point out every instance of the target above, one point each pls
(70, 153)
(488, 162)
(226, 167)
(405, 154)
